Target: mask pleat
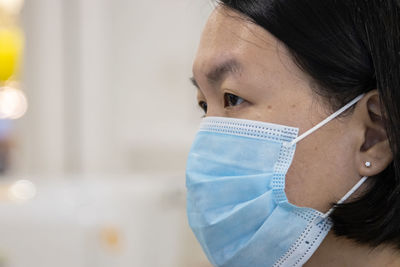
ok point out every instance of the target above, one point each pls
(240, 228)
(215, 195)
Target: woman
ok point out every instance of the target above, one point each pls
(297, 161)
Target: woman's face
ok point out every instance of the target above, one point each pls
(242, 71)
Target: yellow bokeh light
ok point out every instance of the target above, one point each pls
(11, 46)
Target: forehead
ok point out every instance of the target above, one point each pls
(225, 24)
(228, 34)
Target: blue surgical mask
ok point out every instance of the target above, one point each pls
(236, 201)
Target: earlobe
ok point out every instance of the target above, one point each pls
(375, 152)
(376, 159)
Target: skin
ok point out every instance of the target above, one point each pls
(329, 162)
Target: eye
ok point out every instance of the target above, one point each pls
(203, 106)
(232, 100)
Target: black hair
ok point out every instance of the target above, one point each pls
(347, 47)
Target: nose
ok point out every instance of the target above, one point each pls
(215, 108)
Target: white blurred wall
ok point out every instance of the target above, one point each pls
(99, 222)
(107, 82)
(109, 96)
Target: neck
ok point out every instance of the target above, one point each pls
(338, 251)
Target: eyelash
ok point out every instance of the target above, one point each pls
(228, 102)
(203, 106)
(228, 98)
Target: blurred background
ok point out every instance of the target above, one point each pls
(96, 119)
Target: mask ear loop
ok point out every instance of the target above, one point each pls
(316, 127)
(345, 197)
(322, 123)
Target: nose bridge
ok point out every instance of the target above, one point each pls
(214, 99)
(215, 108)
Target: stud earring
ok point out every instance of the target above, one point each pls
(368, 164)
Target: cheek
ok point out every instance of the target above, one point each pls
(320, 174)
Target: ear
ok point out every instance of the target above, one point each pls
(374, 147)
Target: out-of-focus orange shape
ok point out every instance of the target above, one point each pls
(11, 46)
(111, 238)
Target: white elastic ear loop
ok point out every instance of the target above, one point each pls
(343, 199)
(322, 123)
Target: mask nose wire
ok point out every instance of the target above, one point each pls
(325, 121)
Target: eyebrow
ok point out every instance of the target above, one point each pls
(217, 73)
